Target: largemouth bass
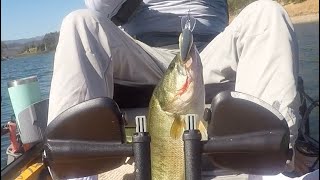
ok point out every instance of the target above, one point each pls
(179, 92)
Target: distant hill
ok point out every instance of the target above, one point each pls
(9, 43)
(27, 46)
(13, 47)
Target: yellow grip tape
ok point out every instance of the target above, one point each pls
(31, 173)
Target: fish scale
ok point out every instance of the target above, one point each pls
(168, 154)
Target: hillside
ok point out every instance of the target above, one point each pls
(13, 47)
(23, 41)
(307, 11)
(304, 8)
(22, 47)
(298, 10)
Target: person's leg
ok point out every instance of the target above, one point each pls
(258, 51)
(91, 54)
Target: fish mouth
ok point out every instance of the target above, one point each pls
(185, 44)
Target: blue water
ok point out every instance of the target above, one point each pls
(42, 65)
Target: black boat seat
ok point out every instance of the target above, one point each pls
(249, 135)
(94, 121)
(82, 140)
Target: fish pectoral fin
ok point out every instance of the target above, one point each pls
(177, 128)
(203, 130)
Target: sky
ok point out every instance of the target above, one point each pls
(30, 18)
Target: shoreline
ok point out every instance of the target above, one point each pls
(306, 11)
(25, 55)
(306, 18)
(298, 19)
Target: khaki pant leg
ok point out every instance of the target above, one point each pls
(91, 54)
(259, 52)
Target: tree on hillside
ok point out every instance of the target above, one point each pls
(50, 41)
(41, 47)
(25, 49)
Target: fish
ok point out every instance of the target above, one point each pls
(179, 92)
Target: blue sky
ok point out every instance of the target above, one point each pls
(29, 18)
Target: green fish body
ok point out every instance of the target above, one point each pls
(179, 92)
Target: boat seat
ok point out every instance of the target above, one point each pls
(252, 136)
(76, 135)
(81, 141)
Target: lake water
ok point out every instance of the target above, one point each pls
(42, 65)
